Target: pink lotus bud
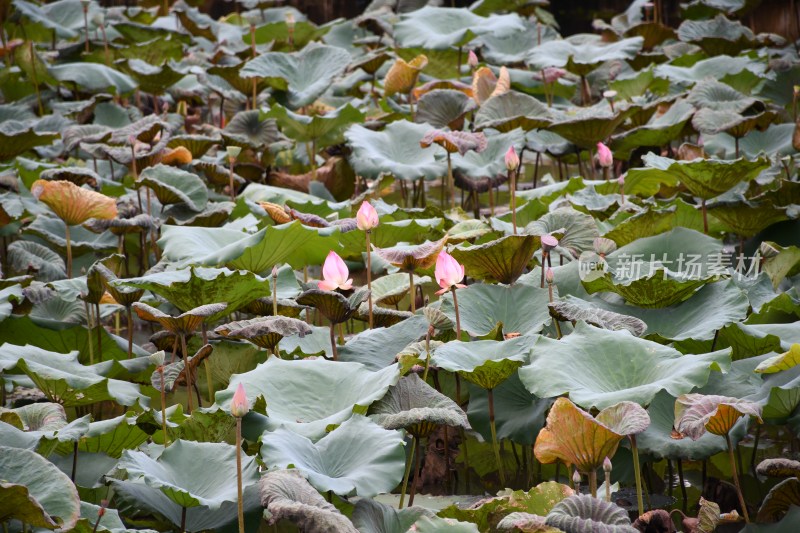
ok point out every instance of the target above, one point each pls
(548, 276)
(448, 272)
(239, 405)
(621, 180)
(607, 465)
(512, 159)
(335, 274)
(604, 155)
(576, 478)
(367, 217)
(549, 242)
(472, 59)
(552, 74)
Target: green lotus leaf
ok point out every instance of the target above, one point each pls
(512, 48)
(488, 163)
(625, 418)
(443, 107)
(265, 332)
(377, 348)
(195, 286)
(412, 231)
(287, 495)
(547, 141)
(717, 67)
(357, 458)
(696, 414)
(775, 140)
(333, 305)
(520, 308)
(36, 417)
(503, 259)
(784, 361)
(519, 415)
(370, 516)
(65, 18)
(717, 96)
(27, 256)
(392, 288)
(323, 130)
(35, 491)
(440, 28)
(573, 365)
(276, 33)
(484, 363)
(93, 77)
(511, 110)
(394, 151)
(586, 126)
(213, 215)
(689, 319)
(435, 524)
(304, 76)
(17, 137)
(109, 437)
(717, 36)
(197, 145)
(525, 522)
(710, 122)
(174, 186)
(658, 439)
(782, 265)
(488, 513)
(417, 407)
(291, 243)
(584, 514)
(576, 231)
(661, 129)
(582, 58)
(52, 230)
(154, 79)
(779, 500)
(249, 129)
(40, 427)
(183, 324)
(173, 473)
(308, 395)
(744, 218)
(572, 309)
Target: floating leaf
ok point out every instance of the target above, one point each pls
(503, 259)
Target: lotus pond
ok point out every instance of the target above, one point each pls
(427, 269)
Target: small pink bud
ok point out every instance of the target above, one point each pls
(367, 217)
(576, 478)
(552, 74)
(549, 242)
(335, 274)
(548, 276)
(448, 272)
(512, 159)
(472, 59)
(621, 180)
(275, 271)
(239, 405)
(604, 155)
(607, 465)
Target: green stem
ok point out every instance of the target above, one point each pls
(458, 317)
(427, 353)
(163, 407)
(129, 310)
(69, 250)
(411, 292)
(735, 476)
(209, 381)
(230, 179)
(89, 322)
(407, 473)
(608, 486)
(593, 483)
(333, 342)
(416, 473)
(275, 294)
(240, 499)
(188, 371)
(705, 217)
(512, 178)
(637, 472)
(369, 280)
(495, 444)
(451, 184)
(183, 518)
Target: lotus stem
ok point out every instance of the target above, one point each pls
(491, 198)
(369, 280)
(333, 342)
(230, 179)
(637, 472)
(240, 499)
(69, 250)
(416, 474)
(129, 311)
(512, 178)
(735, 476)
(451, 185)
(275, 293)
(188, 371)
(183, 518)
(607, 480)
(593, 482)
(407, 473)
(705, 216)
(209, 381)
(736, 146)
(411, 103)
(458, 317)
(74, 461)
(495, 444)
(255, 95)
(411, 293)
(86, 26)
(33, 75)
(427, 353)
(163, 407)
(89, 322)
(106, 52)
(684, 504)
(99, 331)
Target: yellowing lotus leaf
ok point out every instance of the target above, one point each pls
(402, 76)
(485, 84)
(784, 361)
(575, 437)
(74, 205)
(697, 413)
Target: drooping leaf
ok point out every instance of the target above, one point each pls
(583, 514)
(502, 260)
(443, 107)
(26, 256)
(511, 110)
(582, 58)
(357, 458)
(333, 305)
(573, 309)
(175, 186)
(697, 413)
(370, 516)
(74, 205)
(484, 363)
(779, 500)
(784, 361)
(265, 332)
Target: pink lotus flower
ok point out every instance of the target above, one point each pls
(367, 217)
(512, 159)
(552, 74)
(604, 155)
(472, 59)
(448, 272)
(239, 405)
(335, 274)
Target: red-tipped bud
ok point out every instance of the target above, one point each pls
(512, 159)
(239, 404)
